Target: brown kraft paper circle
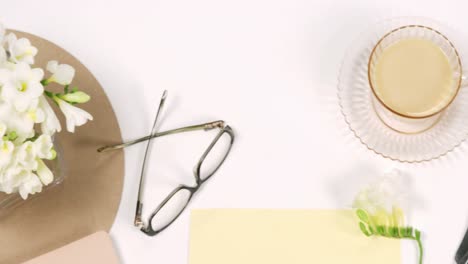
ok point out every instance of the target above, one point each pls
(88, 199)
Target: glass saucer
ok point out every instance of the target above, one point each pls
(357, 106)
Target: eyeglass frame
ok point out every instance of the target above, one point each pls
(138, 222)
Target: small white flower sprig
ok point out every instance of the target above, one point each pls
(24, 108)
(380, 213)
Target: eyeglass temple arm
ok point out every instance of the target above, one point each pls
(139, 206)
(205, 126)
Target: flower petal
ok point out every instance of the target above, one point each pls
(51, 123)
(3, 129)
(52, 66)
(44, 173)
(74, 115)
(43, 147)
(2, 32)
(64, 74)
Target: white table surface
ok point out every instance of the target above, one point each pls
(267, 67)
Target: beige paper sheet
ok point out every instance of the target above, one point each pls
(250, 236)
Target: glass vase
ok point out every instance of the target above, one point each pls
(9, 202)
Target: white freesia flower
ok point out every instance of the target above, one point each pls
(384, 199)
(26, 156)
(20, 50)
(21, 86)
(6, 150)
(35, 113)
(386, 190)
(75, 116)
(51, 123)
(17, 122)
(3, 129)
(61, 73)
(43, 147)
(380, 213)
(2, 33)
(3, 57)
(11, 179)
(30, 184)
(44, 173)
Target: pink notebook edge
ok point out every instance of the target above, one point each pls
(59, 255)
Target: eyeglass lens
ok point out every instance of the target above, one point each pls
(175, 203)
(169, 211)
(215, 157)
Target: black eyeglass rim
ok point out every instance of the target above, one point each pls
(148, 229)
(197, 170)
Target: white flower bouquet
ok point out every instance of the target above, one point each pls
(27, 120)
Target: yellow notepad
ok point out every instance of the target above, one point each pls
(251, 236)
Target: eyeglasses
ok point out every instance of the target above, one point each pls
(175, 203)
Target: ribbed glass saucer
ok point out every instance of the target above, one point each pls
(356, 101)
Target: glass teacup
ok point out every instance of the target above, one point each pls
(415, 73)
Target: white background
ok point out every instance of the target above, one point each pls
(267, 67)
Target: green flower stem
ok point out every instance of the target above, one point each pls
(369, 228)
(420, 246)
(416, 236)
(73, 96)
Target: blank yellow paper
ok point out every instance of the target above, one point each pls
(251, 236)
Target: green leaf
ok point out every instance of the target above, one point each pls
(65, 89)
(364, 230)
(363, 216)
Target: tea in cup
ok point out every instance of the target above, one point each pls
(415, 73)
